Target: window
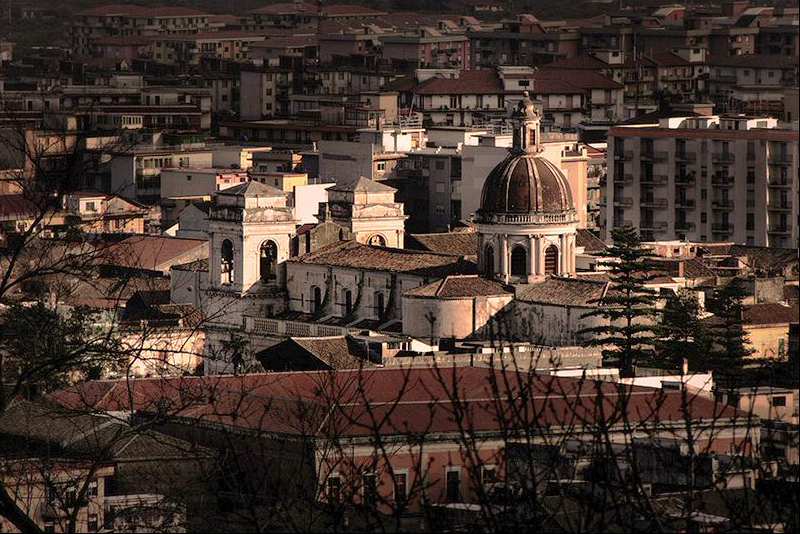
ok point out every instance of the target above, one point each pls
(316, 296)
(380, 305)
(551, 260)
(751, 175)
(92, 491)
(439, 165)
(400, 487)
(779, 400)
(90, 206)
(439, 186)
(453, 484)
(347, 302)
(381, 166)
(488, 261)
(268, 261)
(519, 265)
(91, 524)
(226, 262)
(751, 221)
(489, 475)
(370, 489)
(334, 488)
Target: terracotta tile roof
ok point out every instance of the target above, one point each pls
(317, 353)
(668, 59)
(581, 62)
(212, 36)
(349, 9)
(590, 242)
(358, 256)
(152, 253)
(286, 8)
(455, 243)
(552, 80)
(121, 40)
(197, 265)
(459, 287)
(469, 82)
(402, 84)
(769, 313)
(403, 400)
(16, 205)
(562, 291)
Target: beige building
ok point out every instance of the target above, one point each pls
(767, 329)
(705, 178)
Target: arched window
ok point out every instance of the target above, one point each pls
(551, 260)
(488, 261)
(268, 261)
(316, 296)
(226, 262)
(378, 302)
(519, 264)
(377, 240)
(347, 302)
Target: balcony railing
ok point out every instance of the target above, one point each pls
(656, 179)
(722, 157)
(780, 159)
(722, 181)
(684, 203)
(654, 156)
(529, 218)
(279, 327)
(623, 201)
(780, 206)
(653, 226)
(652, 202)
(726, 204)
(780, 229)
(723, 228)
(780, 182)
(686, 226)
(684, 179)
(626, 178)
(687, 157)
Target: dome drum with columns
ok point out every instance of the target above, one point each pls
(527, 221)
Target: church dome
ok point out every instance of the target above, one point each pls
(526, 183)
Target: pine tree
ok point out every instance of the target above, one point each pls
(728, 349)
(682, 334)
(628, 307)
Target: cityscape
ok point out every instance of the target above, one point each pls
(397, 266)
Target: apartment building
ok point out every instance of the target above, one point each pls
(705, 178)
(264, 92)
(189, 49)
(132, 20)
(430, 47)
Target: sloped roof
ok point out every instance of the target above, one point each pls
(140, 11)
(358, 256)
(362, 184)
(769, 313)
(562, 291)
(459, 287)
(590, 242)
(197, 266)
(468, 82)
(252, 189)
(337, 352)
(456, 243)
(148, 252)
(553, 79)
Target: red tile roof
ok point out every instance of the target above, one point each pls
(148, 252)
(769, 313)
(468, 82)
(416, 399)
(581, 79)
(460, 287)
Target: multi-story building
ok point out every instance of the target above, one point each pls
(188, 49)
(430, 47)
(264, 92)
(520, 42)
(751, 83)
(132, 20)
(705, 178)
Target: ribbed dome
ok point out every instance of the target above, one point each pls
(526, 183)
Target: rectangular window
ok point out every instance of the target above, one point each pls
(440, 187)
(400, 486)
(489, 475)
(91, 524)
(751, 221)
(334, 488)
(370, 490)
(779, 400)
(453, 485)
(439, 165)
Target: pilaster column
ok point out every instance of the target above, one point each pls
(562, 255)
(531, 257)
(504, 257)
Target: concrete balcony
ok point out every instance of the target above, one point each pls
(652, 202)
(780, 206)
(780, 159)
(780, 182)
(279, 327)
(684, 179)
(626, 154)
(722, 181)
(722, 228)
(686, 157)
(656, 179)
(684, 203)
(722, 205)
(626, 178)
(658, 155)
(623, 201)
(782, 230)
(723, 157)
(685, 226)
(653, 226)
